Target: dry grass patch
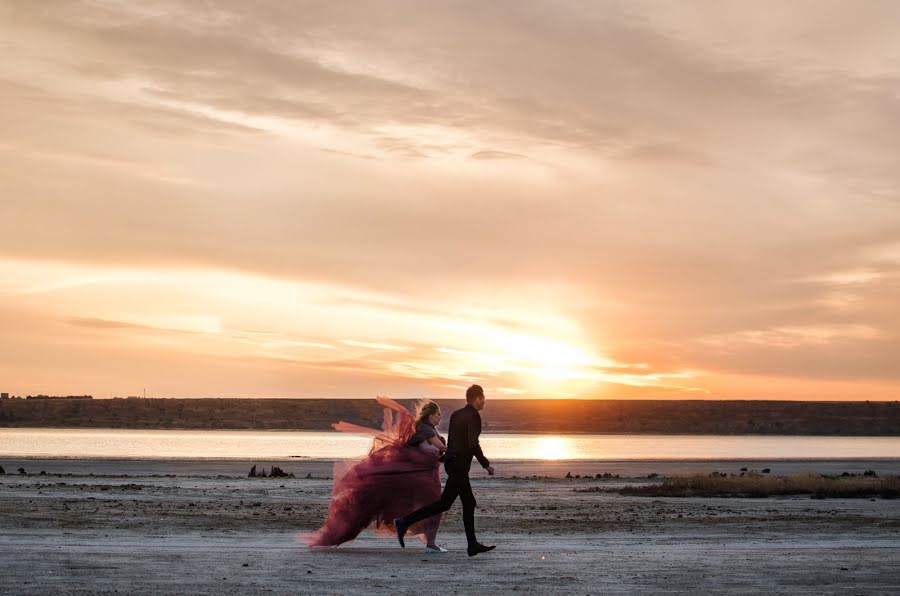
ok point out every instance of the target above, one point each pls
(822, 487)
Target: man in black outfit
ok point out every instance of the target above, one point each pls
(462, 445)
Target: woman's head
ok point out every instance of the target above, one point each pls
(428, 411)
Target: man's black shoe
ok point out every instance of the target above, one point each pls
(401, 530)
(476, 548)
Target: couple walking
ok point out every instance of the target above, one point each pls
(397, 487)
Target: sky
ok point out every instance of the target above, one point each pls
(599, 199)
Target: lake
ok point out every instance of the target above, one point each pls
(258, 445)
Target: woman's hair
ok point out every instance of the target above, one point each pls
(424, 409)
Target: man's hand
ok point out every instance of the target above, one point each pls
(490, 470)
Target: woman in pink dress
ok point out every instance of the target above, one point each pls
(400, 474)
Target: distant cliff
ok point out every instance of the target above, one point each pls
(556, 416)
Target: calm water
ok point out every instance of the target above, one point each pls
(177, 444)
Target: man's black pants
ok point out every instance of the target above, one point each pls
(457, 485)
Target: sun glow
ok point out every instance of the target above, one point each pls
(545, 354)
(529, 351)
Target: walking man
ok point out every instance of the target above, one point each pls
(462, 445)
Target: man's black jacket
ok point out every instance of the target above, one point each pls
(462, 441)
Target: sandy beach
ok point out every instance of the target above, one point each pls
(96, 526)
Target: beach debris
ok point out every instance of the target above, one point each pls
(870, 473)
(743, 469)
(309, 476)
(653, 475)
(766, 470)
(568, 474)
(277, 472)
(2, 471)
(22, 472)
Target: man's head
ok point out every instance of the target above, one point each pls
(475, 397)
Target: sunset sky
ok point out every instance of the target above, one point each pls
(687, 200)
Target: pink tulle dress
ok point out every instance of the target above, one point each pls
(393, 480)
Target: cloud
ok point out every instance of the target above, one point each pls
(106, 324)
(491, 154)
(381, 347)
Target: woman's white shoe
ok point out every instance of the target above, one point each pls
(435, 548)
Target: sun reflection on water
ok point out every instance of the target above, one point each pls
(553, 448)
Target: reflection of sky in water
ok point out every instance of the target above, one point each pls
(333, 445)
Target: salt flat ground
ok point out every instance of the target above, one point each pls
(204, 527)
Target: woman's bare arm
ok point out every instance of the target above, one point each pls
(437, 443)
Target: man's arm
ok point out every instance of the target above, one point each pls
(474, 432)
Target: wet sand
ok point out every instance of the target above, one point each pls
(150, 526)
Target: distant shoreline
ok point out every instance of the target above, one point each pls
(311, 459)
(488, 432)
(546, 416)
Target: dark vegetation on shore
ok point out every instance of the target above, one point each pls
(543, 415)
(757, 485)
